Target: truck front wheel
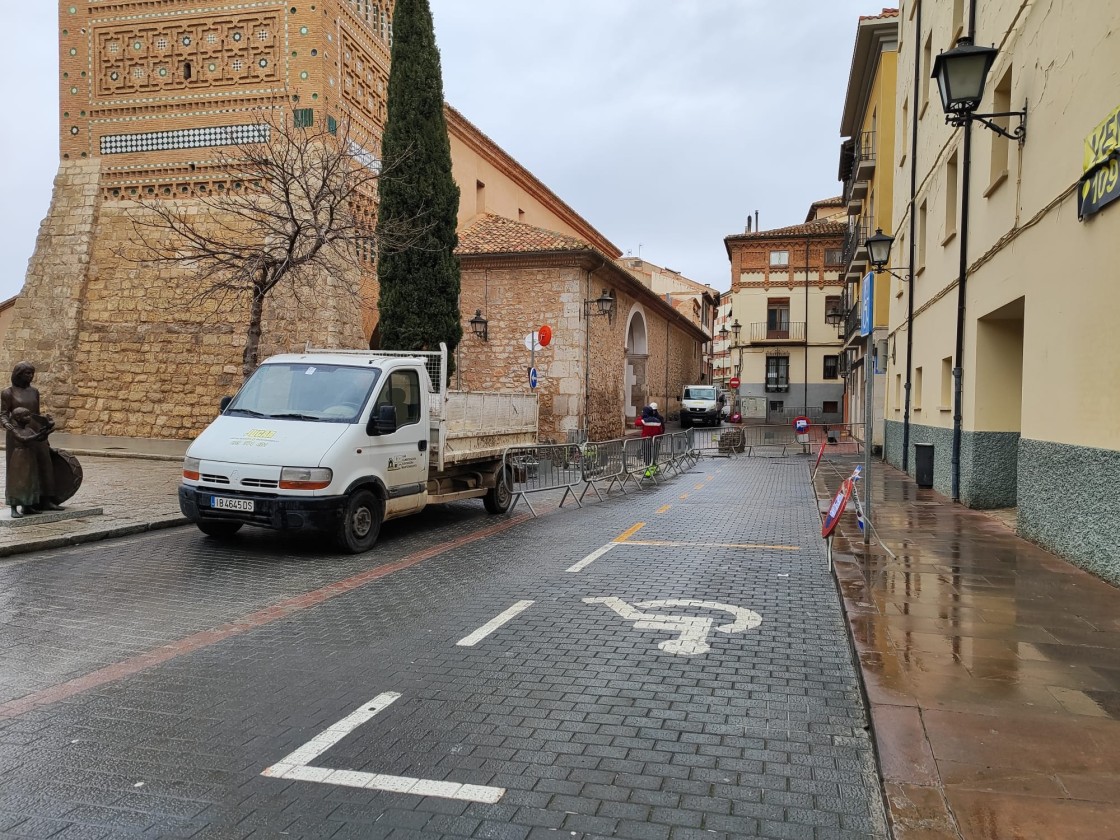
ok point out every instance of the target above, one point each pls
(499, 497)
(361, 522)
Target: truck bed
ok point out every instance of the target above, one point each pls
(476, 426)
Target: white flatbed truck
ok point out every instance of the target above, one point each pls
(342, 440)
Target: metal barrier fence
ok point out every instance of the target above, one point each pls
(558, 466)
(571, 466)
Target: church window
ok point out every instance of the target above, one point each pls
(304, 117)
(187, 70)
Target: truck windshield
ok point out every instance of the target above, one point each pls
(699, 393)
(307, 392)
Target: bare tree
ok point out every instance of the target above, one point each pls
(292, 203)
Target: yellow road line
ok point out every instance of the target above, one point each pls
(663, 508)
(699, 487)
(684, 496)
(627, 534)
(674, 544)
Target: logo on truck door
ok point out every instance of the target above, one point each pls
(402, 462)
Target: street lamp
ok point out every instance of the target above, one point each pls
(879, 248)
(961, 73)
(479, 325)
(603, 305)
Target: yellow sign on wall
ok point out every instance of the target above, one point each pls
(1100, 166)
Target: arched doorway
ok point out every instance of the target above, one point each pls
(636, 383)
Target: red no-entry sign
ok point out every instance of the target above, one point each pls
(734, 383)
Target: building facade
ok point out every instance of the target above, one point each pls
(867, 171)
(1012, 373)
(149, 95)
(784, 346)
(152, 95)
(598, 370)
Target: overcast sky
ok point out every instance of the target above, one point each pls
(664, 123)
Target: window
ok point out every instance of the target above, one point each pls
(332, 125)
(834, 256)
(303, 117)
(777, 318)
(779, 259)
(832, 303)
(921, 237)
(927, 70)
(950, 198)
(777, 406)
(187, 70)
(916, 385)
(777, 373)
(830, 407)
(1001, 146)
(402, 391)
(946, 384)
(831, 367)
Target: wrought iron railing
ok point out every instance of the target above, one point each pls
(788, 331)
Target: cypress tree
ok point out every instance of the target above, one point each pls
(418, 301)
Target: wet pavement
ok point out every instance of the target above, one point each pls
(992, 670)
(147, 681)
(673, 664)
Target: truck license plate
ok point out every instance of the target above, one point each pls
(222, 503)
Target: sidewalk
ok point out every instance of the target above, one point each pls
(135, 483)
(991, 668)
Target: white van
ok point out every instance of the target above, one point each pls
(341, 441)
(700, 404)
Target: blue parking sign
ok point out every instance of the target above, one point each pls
(867, 305)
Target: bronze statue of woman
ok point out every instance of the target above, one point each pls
(29, 479)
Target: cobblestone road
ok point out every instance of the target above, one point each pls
(147, 683)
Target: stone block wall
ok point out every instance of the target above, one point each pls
(130, 348)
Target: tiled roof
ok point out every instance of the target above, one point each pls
(886, 13)
(819, 227)
(490, 234)
(838, 201)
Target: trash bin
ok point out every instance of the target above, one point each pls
(923, 464)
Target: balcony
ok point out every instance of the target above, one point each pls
(851, 326)
(788, 332)
(777, 386)
(854, 240)
(864, 156)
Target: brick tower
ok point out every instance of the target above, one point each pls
(150, 91)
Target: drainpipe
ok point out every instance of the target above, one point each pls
(805, 393)
(913, 244)
(962, 282)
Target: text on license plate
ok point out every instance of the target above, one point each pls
(222, 503)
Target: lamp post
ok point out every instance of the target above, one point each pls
(879, 254)
(961, 73)
(736, 329)
(602, 305)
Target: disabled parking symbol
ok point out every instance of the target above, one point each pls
(692, 630)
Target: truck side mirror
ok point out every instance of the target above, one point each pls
(384, 423)
(224, 404)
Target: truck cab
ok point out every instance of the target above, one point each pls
(700, 404)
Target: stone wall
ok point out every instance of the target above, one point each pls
(130, 348)
(582, 371)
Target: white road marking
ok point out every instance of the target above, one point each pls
(591, 558)
(493, 624)
(693, 630)
(295, 766)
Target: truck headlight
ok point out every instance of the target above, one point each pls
(191, 467)
(305, 478)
